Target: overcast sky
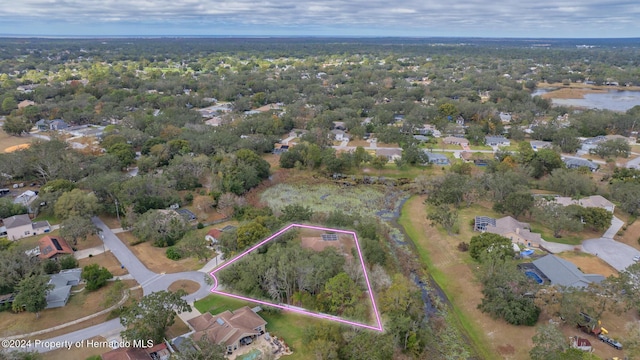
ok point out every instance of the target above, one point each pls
(419, 18)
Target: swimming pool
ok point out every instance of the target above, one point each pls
(534, 276)
(251, 355)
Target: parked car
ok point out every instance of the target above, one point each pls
(636, 258)
(610, 341)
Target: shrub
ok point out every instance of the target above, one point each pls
(188, 197)
(173, 253)
(96, 276)
(463, 246)
(68, 262)
(50, 266)
(200, 225)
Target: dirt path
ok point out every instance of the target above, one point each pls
(458, 281)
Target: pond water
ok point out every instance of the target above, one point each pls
(615, 100)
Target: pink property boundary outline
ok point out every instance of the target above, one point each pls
(296, 309)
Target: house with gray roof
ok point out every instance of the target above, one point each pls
(436, 158)
(564, 273)
(589, 201)
(496, 141)
(19, 226)
(574, 163)
(62, 283)
(537, 145)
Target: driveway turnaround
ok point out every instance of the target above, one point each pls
(615, 253)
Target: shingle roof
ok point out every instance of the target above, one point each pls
(52, 246)
(564, 273)
(16, 221)
(227, 327)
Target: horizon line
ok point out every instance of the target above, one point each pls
(289, 36)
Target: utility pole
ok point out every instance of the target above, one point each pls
(117, 212)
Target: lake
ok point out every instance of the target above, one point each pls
(615, 100)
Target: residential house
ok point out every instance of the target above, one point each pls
(574, 163)
(62, 283)
(26, 198)
(629, 140)
(421, 138)
(505, 117)
(58, 124)
(589, 144)
(19, 226)
(537, 145)
(339, 125)
(46, 125)
(437, 158)
(280, 148)
(518, 232)
(50, 247)
(496, 141)
(156, 352)
(590, 201)
(24, 103)
(564, 273)
(213, 236)
(230, 329)
(466, 156)
(454, 140)
(340, 135)
(460, 121)
(390, 153)
(214, 121)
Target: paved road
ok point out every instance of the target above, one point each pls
(106, 329)
(135, 267)
(634, 163)
(150, 282)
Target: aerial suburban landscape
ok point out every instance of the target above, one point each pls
(319, 198)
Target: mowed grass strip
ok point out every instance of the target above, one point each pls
(445, 280)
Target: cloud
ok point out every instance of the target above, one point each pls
(587, 18)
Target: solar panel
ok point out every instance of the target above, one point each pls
(329, 237)
(56, 244)
(220, 321)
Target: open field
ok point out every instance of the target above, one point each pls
(107, 260)
(10, 143)
(155, 258)
(588, 263)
